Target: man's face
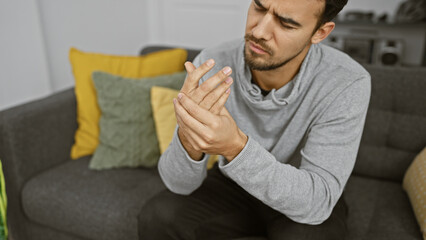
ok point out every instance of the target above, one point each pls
(277, 31)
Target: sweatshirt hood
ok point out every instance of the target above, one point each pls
(277, 98)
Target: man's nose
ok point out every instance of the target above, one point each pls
(263, 29)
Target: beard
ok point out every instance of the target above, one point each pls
(254, 64)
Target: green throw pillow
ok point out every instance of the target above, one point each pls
(127, 130)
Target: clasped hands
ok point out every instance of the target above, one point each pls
(205, 125)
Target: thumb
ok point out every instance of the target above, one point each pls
(189, 66)
(188, 85)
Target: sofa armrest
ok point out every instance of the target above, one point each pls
(37, 135)
(34, 137)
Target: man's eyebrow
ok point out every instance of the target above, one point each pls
(282, 19)
(259, 4)
(288, 20)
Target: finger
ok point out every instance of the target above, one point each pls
(211, 98)
(195, 74)
(184, 126)
(211, 83)
(189, 135)
(195, 139)
(187, 129)
(217, 107)
(189, 67)
(187, 118)
(188, 85)
(199, 114)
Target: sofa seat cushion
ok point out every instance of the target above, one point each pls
(88, 203)
(379, 210)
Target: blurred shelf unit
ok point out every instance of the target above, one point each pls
(397, 44)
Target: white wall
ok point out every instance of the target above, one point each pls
(105, 26)
(24, 73)
(196, 23)
(35, 35)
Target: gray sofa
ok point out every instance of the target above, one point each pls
(53, 197)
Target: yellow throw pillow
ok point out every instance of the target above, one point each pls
(415, 185)
(88, 112)
(165, 119)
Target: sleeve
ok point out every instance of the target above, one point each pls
(180, 173)
(309, 193)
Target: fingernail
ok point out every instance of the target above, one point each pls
(228, 90)
(174, 100)
(228, 80)
(180, 96)
(227, 70)
(210, 62)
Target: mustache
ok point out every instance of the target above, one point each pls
(261, 43)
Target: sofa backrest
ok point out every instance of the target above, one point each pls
(395, 128)
(192, 53)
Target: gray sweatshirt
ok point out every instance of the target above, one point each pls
(303, 138)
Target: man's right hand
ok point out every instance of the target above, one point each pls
(210, 95)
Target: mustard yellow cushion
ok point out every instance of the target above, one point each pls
(83, 64)
(415, 185)
(165, 119)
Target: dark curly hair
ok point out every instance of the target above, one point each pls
(332, 8)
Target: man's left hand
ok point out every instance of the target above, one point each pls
(208, 132)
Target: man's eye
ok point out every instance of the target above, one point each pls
(284, 25)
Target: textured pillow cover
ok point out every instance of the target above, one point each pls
(164, 117)
(415, 185)
(127, 131)
(83, 64)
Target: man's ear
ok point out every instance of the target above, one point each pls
(322, 32)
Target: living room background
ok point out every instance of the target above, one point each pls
(36, 35)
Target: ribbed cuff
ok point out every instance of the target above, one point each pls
(244, 155)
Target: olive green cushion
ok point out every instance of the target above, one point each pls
(127, 131)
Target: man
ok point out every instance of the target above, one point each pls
(285, 114)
